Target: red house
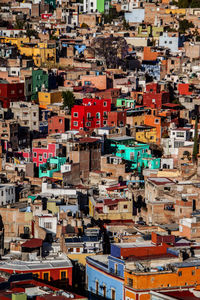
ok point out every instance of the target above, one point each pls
(153, 97)
(184, 89)
(57, 124)
(117, 118)
(93, 113)
(10, 92)
(40, 154)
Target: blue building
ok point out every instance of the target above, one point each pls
(105, 277)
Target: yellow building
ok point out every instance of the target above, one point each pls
(47, 98)
(177, 11)
(146, 134)
(14, 41)
(42, 53)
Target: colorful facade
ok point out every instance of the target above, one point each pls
(93, 113)
(41, 154)
(137, 154)
(48, 98)
(52, 165)
(11, 92)
(39, 81)
(126, 103)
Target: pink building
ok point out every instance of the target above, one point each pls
(40, 154)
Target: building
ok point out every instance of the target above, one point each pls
(169, 40)
(93, 113)
(52, 165)
(58, 124)
(7, 193)
(39, 82)
(27, 114)
(11, 92)
(48, 98)
(41, 152)
(9, 133)
(154, 97)
(137, 155)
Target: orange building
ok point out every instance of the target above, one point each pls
(154, 120)
(138, 283)
(148, 54)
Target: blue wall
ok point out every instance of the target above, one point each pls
(112, 262)
(136, 16)
(115, 250)
(110, 282)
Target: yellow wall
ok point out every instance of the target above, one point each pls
(52, 207)
(40, 53)
(179, 11)
(147, 136)
(46, 98)
(81, 257)
(14, 41)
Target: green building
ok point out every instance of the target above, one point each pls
(126, 103)
(52, 3)
(39, 80)
(138, 155)
(101, 6)
(148, 30)
(19, 296)
(52, 165)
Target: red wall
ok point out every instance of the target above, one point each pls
(159, 239)
(55, 125)
(183, 89)
(160, 98)
(92, 106)
(40, 151)
(54, 273)
(144, 251)
(116, 117)
(11, 92)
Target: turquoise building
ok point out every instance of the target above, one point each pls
(138, 155)
(52, 165)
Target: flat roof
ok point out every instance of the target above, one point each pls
(161, 180)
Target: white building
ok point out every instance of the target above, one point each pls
(7, 194)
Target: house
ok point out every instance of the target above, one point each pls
(27, 114)
(11, 92)
(48, 98)
(7, 194)
(42, 151)
(58, 124)
(136, 154)
(93, 113)
(52, 165)
(169, 40)
(154, 97)
(39, 82)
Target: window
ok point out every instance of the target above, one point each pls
(46, 276)
(34, 123)
(116, 268)
(180, 273)
(156, 121)
(60, 121)
(98, 115)
(88, 124)
(40, 157)
(88, 115)
(75, 114)
(75, 123)
(180, 134)
(193, 272)
(1, 193)
(34, 114)
(48, 225)
(130, 282)
(45, 155)
(97, 122)
(125, 206)
(113, 294)
(97, 287)
(104, 122)
(63, 275)
(105, 104)
(50, 155)
(12, 92)
(104, 291)
(34, 154)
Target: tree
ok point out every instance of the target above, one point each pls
(185, 25)
(68, 100)
(196, 142)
